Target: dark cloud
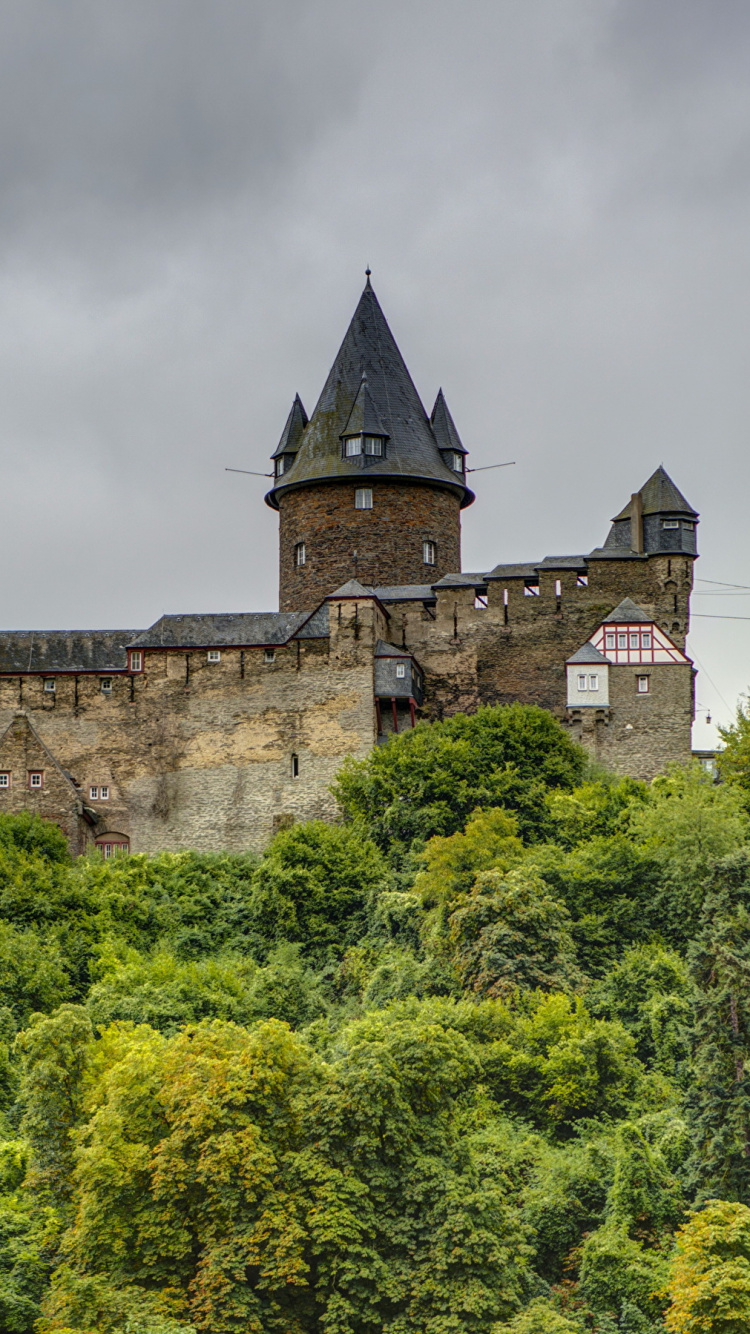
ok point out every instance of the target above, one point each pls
(555, 201)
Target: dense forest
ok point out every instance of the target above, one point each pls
(473, 1061)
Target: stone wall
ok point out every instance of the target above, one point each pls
(378, 546)
(200, 755)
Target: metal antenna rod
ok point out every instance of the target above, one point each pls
(248, 472)
(487, 466)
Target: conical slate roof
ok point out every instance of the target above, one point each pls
(412, 451)
(363, 418)
(444, 427)
(659, 496)
(295, 425)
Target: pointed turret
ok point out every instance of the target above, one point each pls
(286, 450)
(412, 451)
(370, 487)
(446, 435)
(656, 519)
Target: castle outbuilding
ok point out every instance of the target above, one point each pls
(215, 730)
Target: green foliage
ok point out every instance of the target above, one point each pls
(316, 886)
(39, 838)
(650, 991)
(709, 1283)
(509, 932)
(734, 759)
(720, 964)
(539, 1317)
(429, 780)
(593, 810)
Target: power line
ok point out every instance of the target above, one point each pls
(716, 616)
(721, 583)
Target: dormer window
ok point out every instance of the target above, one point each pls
(671, 523)
(284, 463)
(373, 446)
(454, 460)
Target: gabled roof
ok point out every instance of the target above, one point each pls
(363, 418)
(227, 629)
(627, 611)
(444, 427)
(406, 593)
(295, 425)
(385, 650)
(352, 589)
(52, 651)
(587, 653)
(659, 495)
(412, 451)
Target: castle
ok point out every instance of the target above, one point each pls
(213, 731)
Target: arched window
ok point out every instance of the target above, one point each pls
(113, 844)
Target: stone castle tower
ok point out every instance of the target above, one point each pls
(370, 487)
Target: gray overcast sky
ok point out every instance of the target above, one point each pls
(554, 197)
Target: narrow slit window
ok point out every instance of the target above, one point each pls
(295, 766)
(428, 552)
(300, 554)
(363, 498)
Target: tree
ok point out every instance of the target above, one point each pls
(539, 1317)
(709, 1284)
(429, 780)
(509, 933)
(720, 966)
(734, 759)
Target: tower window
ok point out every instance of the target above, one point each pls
(363, 498)
(295, 766)
(300, 554)
(214, 655)
(269, 655)
(401, 670)
(429, 552)
(643, 684)
(280, 466)
(671, 523)
(356, 445)
(36, 779)
(50, 686)
(457, 462)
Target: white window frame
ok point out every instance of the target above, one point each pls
(353, 447)
(643, 684)
(610, 641)
(581, 682)
(280, 466)
(104, 793)
(135, 660)
(670, 523)
(93, 793)
(50, 685)
(36, 773)
(593, 682)
(429, 552)
(458, 462)
(300, 554)
(363, 498)
(269, 655)
(213, 655)
(646, 641)
(5, 779)
(401, 671)
(106, 685)
(622, 640)
(635, 641)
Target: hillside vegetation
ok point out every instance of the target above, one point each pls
(474, 1061)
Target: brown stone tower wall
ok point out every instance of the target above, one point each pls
(381, 546)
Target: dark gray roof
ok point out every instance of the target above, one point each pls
(406, 593)
(352, 589)
(412, 452)
(563, 563)
(444, 427)
(467, 580)
(628, 611)
(363, 418)
(51, 651)
(295, 425)
(235, 629)
(659, 495)
(317, 626)
(513, 572)
(385, 650)
(587, 653)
